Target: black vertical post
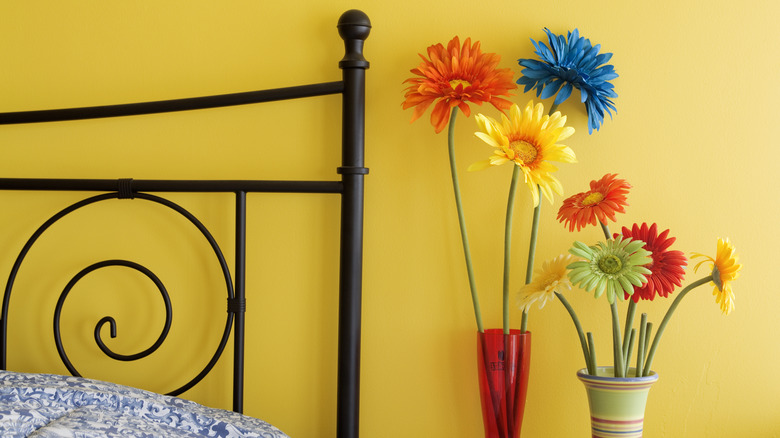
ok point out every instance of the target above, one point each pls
(239, 304)
(354, 27)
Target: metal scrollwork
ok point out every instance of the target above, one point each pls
(132, 265)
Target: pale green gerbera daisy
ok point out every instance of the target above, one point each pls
(614, 267)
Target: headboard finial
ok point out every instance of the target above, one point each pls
(354, 27)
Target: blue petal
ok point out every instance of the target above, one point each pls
(535, 74)
(543, 52)
(604, 76)
(551, 88)
(591, 59)
(532, 63)
(583, 94)
(563, 95)
(560, 48)
(604, 58)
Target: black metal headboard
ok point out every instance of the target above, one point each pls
(354, 27)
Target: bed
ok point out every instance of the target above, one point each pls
(75, 405)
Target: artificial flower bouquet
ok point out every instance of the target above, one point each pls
(636, 264)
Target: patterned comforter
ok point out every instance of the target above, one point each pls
(44, 405)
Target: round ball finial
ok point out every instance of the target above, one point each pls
(354, 25)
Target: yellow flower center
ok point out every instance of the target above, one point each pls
(592, 198)
(610, 264)
(523, 150)
(455, 82)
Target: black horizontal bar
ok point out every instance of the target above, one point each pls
(224, 186)
(163, 106)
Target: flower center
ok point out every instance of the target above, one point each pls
(455, 82)
(525, 151)
(592, 198)
(610, 264)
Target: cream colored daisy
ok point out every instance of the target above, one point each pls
(549, 279)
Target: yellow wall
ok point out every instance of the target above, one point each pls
(697, 97)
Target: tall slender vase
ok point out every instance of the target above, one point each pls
(617, 404)
(503, 363)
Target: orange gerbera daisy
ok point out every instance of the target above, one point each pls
(606, 197)
(455, 76)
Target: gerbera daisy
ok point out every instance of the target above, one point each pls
(606, 197)
(549, 279)
(725, 269)
(667, 268)
(572, 62)
(529, 138)
(455, 76)
(612, 267)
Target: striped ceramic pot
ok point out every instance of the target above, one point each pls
(617, 405)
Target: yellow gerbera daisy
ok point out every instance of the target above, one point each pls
(551, 278)
(725, 269)
(529, 138)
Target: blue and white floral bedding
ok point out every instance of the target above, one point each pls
(44, 405)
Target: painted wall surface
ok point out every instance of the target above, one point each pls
(692, 134)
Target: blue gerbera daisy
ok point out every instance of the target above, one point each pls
(572, 62)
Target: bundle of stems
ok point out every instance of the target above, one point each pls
(623, 343)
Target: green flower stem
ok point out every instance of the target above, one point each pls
(641, 346)
(605, 229)
(629, 323)
(524, 322)
(585, 351)
(627, 352)
(462, 221)
(667, 317)
(617, 350)
(510, 208)
(648, 333)
(617, 347)
(592, 347)
(529, 268)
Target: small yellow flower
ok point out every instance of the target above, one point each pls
(528, 138)
(549, 279)
(725, 269)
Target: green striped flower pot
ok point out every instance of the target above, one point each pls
(617, 404)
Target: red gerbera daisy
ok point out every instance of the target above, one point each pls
(606, 197)
(668, 267)
(455, 76)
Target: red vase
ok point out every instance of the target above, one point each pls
(503, 362)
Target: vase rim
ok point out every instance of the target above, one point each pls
(605, 373)
(494, 331)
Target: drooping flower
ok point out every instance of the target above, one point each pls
(725, 269)
(551, 278)
(572, 62)
(528, 138)
(668, 266)
(606, 197)
(455, 76)
(613, 266)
